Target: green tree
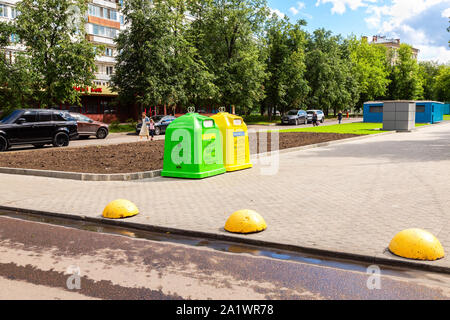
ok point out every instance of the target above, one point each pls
(330, 72)
(16, 83)
(228, 37)
(406, 81)
(157, 64)
(442, 85)
(6, 30)
(371, 69)
(286, 86)
(60, 57)
(428, 72)
(15, 79)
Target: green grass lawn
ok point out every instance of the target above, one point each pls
(263, 123)
(347, 128)
(123, 128)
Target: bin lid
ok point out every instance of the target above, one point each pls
(229, 120)
(193, 120)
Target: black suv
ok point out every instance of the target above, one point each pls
(37, 127)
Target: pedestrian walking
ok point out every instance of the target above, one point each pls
(314, 120)
(144, 130)
(152, 128)
(340, 116)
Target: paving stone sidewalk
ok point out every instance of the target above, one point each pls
(351, 197)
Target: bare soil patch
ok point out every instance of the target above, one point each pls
(127, 158)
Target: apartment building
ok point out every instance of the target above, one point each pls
(103, 23)
(8, 12)
(392, 44)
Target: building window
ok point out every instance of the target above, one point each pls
(14, 13)
(3, 11)
(376, 109)
(103, 31)
(101, 12)
(8, 56)
(109, 70)
(14, 38)
(109, 52)
(94, 11)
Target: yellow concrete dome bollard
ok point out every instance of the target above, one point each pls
(245, 221)
(119, 209)
(417, 244)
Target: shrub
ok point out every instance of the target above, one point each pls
(260, 118)
(115, 125)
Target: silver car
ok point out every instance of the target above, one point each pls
(320, 115)
(295, 117)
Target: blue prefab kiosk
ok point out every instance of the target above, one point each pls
(447, 108)
(426, 111)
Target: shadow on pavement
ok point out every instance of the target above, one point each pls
(434, 147)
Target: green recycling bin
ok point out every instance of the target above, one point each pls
(193, 148)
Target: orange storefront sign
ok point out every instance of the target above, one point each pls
(100, 90)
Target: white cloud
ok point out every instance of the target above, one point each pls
(277, 12)
(421, 23)
(440, 54)
(446, 13)
(296, 10)
(340, 6)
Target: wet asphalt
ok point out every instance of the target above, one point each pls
(123, 267)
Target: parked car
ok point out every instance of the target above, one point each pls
(295, 117)
(37, 127)
(320, 115)
(88, 127)
(161, 124)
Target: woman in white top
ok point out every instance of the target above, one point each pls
(144, 130)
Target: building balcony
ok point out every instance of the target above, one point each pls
(102, 77)
(106, 59)
(100, 40)
(108, 4)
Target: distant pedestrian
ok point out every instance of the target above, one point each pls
(348, 114)
(144, 129)
(314, 120)
(152, 128)
(340, 116)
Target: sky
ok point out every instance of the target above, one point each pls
(420, 23)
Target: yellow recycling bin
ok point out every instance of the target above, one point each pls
(236, 148)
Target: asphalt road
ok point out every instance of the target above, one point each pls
(119, 138)
(39, 261)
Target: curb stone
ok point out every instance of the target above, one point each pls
(157, 173)
(388, 260)
(323, 144)
(83, 176)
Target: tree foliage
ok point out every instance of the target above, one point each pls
(286, 86)
(330, 72)
(15, 79)
(226, 36)
(60, 57)
(406, 82)
(371, 69)
(157, 63)
(441, 88)
(428, 71)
